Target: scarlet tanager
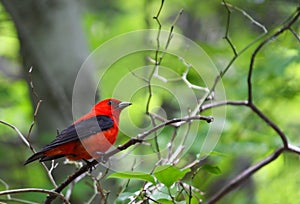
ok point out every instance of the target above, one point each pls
(88, 137)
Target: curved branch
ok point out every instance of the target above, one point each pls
(294, 149)
(271, 124)
(18, 132)
(37, 190)
(244, 175)
(288, 25)
(223, 103)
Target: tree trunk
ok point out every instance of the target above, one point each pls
(53, 43)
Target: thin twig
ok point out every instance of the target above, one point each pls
(37, 108)
(294, 149)
(29, 145)
(155, 71)
(156, 139)
(71, 186)
(222, 103)
(226, 37)
(175, 157)
(37, 190)
(36, 96)
(170, 143)
(156, 18)
(18, 132)
(6, 187)
(294, 33)
(227, 5)
(157, 62)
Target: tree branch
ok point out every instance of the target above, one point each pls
(255, 110)
(223, 103)
(18, 132)
(38, 190)
(270, 123)
(226, 37)
(288, 25)
(243, 176)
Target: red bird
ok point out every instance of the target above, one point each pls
(88, 137)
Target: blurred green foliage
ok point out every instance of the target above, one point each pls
(245, 139)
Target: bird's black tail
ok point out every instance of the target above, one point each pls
(36, 156)
(42, 157)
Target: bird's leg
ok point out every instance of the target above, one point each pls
(91, 165)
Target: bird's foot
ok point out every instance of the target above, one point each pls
(92, 165)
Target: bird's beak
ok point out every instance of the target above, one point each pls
(123, 105)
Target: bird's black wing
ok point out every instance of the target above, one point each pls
(81, 130)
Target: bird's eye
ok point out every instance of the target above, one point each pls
(110, 102)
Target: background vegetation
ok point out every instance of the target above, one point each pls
(55, 37)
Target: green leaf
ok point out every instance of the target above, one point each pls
(212, 169)
(133, 175)
(169, 174)
(164, 201)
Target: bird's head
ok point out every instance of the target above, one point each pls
(110, 106)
